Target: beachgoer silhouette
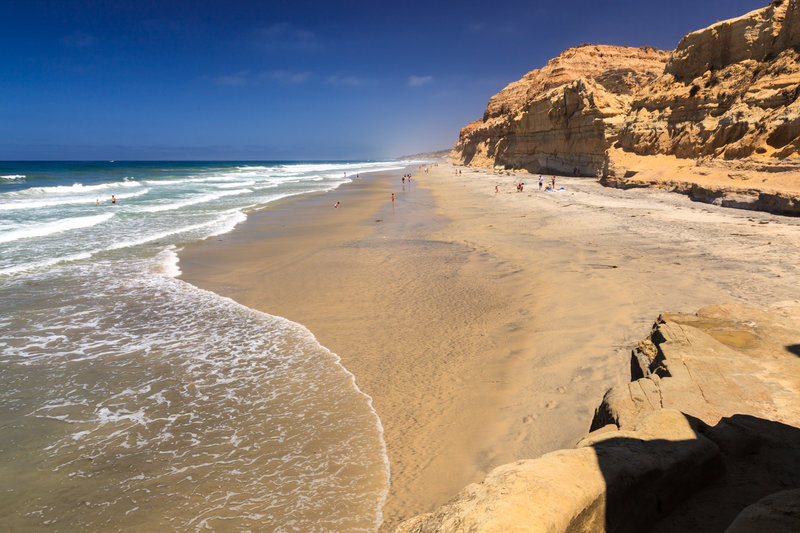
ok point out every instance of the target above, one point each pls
(336, 205)
(113, 199)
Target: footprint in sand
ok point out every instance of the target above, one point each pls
(562, 390)
(551, 404)
(530, 418)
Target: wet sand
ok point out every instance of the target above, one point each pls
(486, 327)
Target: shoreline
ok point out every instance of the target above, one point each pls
(486, 327)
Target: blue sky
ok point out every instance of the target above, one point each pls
(208, 79)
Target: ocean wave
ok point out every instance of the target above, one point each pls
(13, 178)
(219, 225)
(19, 205)
(74, 188)
(40, 265)
(193, 201)
(233, 184)
(181, 181)
(50, 228)
(167, 263)
(342, 167)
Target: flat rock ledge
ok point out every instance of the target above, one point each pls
(705, 438)
(779, 202)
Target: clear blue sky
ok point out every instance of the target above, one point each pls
(216, 79)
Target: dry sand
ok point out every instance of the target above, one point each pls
(486, 327)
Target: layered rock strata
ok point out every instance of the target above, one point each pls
(729, 90)
(708, 427)
(718, 118)
(562, 116)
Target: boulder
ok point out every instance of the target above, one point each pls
(722, 361)
(621, 481)
(776, 513)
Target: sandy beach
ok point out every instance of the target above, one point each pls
(487, 326)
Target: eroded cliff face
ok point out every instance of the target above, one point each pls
(722, 105)
(562, 116)
(728, 91)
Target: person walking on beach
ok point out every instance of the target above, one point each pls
(553, 183)
(496, 190)
(392, 199)
(540, 182)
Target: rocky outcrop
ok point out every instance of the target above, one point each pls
(722, 361)
(727, 183)
(562, 116)
(721, 112)
(729, 91)
(580, 489)
(708, 426)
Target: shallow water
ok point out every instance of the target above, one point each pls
(131, 399)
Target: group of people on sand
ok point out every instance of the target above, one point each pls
(550, 187)
(406, 178)
(521, 185)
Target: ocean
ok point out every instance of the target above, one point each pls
(132, 400)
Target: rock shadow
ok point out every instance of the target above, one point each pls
(696, 485)
(794, 348)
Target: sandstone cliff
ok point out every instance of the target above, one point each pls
(564, 115)
(718, 118)
(705, 438)
(730, 90)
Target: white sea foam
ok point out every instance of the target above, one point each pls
(263, 423)
(76, 188)
(231, 185)
(13, 177)
(227, 223)
(167, 263)
(15, 204)
(50, 228)
(224, 221)
(106, 415)
(194, 201)
(40, 265)
(223, 176)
